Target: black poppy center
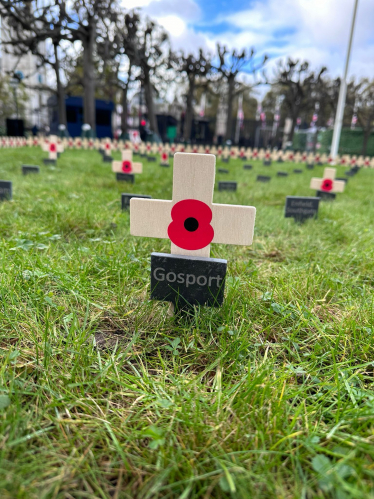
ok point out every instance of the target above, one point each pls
(191, 224)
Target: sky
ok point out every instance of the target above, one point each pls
(313, 30)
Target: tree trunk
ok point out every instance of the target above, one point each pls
(189, 109)
(230, 98)
(61, 106)
(124, 116)
(89, 107)
(148, 92)
(124, 111)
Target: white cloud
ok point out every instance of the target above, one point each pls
(316, 30)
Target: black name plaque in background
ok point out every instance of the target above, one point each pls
(188, 280)
(125, 199)
(263, 178)
(125, 177)
(5, 190)
(26, 169)
(227, 186)
(301, 208)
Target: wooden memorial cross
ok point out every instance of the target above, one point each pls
(164, 158)
(192, 222)
(327, 186)
(126, 166)
(50, 145)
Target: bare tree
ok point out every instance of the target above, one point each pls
(197, 70)
(39, 30)
(361, 100)
(230, 65)
(150, 53)
(298, 85)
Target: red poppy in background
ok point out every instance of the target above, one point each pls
(126, 167)
(327, 184)
(164, 156)
(190, 228)
(52, 148)
(107, 146)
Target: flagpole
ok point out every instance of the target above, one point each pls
(343, 92)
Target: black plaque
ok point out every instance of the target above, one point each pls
(125, 199)
(355, 169)
(280, 160)
(151, 158)
(351, 173)
(227, 186)
(225, 160)
(125, 177)
(282, 174)
(326, 196)
(298, 171)
(165, 165)
(222, 170)
(107, 159)
(267, 162)
(310, 166)
(5, 190)
(301, 208)
(48, 161)
(343, 179)
(263, 178)
(26, 169)
(247, 167)
(187, 280)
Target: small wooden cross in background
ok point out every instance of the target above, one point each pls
(328, 184)
(127, 164)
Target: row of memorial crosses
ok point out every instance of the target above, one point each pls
(145, 149)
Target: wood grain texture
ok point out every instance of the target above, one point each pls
(150, 217)
(233, 224)
(193, 177)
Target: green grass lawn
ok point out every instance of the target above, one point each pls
(104, 395)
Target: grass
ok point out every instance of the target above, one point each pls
(103, 395)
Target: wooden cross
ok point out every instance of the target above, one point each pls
(328, 182)
(191, 220)
(52, 147)
(164, 158)
(126, 165)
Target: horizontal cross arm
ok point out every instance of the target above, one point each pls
(233, 224)
(150, 217)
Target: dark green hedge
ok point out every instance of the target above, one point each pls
(350, 142)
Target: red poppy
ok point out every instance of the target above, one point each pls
(164, 156)
(190, 228)
(255, 154)
(327, 185)
(126, 166)
(207, 151)
(107, 146)
(52, 148)
(182, 149)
